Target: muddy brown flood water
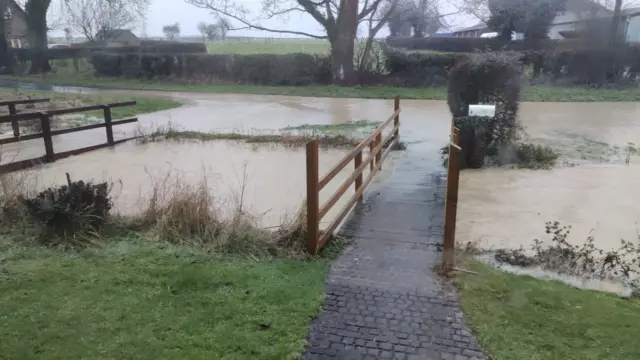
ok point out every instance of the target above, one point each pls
(498, 207)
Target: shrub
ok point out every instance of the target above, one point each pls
(69, 212)
(420, 70)
(489, 78)
(533, 156)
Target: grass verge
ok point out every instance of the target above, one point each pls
(135, 299)
(144, 104)
(530, 93)
(519, 317)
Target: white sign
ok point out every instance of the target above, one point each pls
(482, 110)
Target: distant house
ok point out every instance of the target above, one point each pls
(15, 22)
(117, 37)
(472, 31)
(568, 21)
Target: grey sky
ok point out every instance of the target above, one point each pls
(164, 12)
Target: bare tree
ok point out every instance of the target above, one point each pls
(339, 20)
(68, 35)
(224, 26)
(172, 32)
(94, 17)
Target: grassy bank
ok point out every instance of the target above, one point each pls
(175, 281)
(134, 299)
(144, 104)
(519, 317)
(530, 93)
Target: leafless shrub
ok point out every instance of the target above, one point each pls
(580, 260)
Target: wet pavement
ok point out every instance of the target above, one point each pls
(384, 299)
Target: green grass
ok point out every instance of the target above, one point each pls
(135, 300)
(144, 104)
(268, 46)
(529, 93)
(519, 317)
(354, 125)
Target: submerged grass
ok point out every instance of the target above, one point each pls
(519, 317)
(355, 125)
(285, 138)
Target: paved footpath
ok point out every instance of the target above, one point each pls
(384, 299)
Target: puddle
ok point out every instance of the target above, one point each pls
(274, 178)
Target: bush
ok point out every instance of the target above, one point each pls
(420, 70)
(69, 212)
(533, 156)
(261, 69)
(490, 78)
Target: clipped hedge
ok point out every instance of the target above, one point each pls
(262, 69)
(420, 70)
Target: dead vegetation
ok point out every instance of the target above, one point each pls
(78, 215)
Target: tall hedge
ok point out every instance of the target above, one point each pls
(489, 78)
(265, 69)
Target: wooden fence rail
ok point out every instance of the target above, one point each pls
(47, 134)
(451, 201)
(379, 149)
(12, 110)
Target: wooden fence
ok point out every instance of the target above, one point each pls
(379, 149)
(451, 201)
(12, 110)
(47, 134)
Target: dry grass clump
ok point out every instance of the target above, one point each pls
(181, 213)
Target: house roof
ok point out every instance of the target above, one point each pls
(630, 11)
(18, 7)
(115, 33)
(479, 26)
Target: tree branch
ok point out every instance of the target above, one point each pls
(240, 13)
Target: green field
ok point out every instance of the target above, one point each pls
(268, 46)
(519, 317)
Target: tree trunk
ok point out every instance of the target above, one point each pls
(365, 54)
(343, 43)
(615, 22)
(5, 56)
(37, 23)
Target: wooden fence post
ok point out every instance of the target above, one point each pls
(108, 126)
(379, 150)
(46, 135)
(357, 163)
(14, 123)
(312, 196)
(396, 120)
(451, 205)
(372, 146)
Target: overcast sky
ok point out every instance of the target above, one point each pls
(165, 12)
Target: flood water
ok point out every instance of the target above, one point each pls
(497, 207)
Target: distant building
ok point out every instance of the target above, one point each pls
(117, 37)
(472, 31)
(15, 22)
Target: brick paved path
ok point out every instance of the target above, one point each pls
(384, 299)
